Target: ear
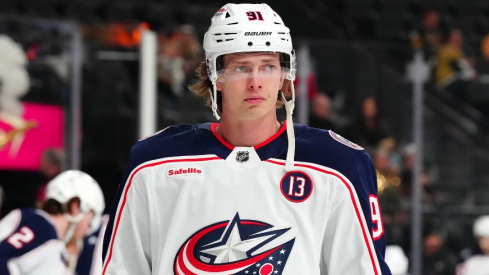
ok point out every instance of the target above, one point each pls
(281, 85)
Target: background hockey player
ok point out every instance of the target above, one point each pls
(89, 261)
(476, 260)
(85, 251)
(32, 241)
(260, 196)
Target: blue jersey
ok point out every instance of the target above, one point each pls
(29, 244)
(190, 203)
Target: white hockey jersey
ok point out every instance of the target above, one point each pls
(29, 244)
(190, 203)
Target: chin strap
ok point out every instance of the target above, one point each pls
(213, 94)
(289, 109)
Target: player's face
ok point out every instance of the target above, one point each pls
(484, 244)
(251, 88)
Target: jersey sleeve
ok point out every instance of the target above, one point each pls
(347, 247)
(46, 259)
(129, 248)
(364, 181)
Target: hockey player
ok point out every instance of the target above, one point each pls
(476, 261)
(33, 241)
(85, 252)
(89, 261)
(250, 195)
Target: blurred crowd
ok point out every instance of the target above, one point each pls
(179, 55)
(443, 47)
(444, 253)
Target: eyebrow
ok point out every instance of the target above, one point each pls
(267, 60)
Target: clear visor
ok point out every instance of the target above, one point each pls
(241, 72)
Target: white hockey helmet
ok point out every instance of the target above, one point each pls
(481, 226)
(73, 183)
(240, 28)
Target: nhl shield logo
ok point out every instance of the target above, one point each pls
(242, 156)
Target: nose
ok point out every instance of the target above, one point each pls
(255, 81)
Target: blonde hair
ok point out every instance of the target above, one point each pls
(202, 85)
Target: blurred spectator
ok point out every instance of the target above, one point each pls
(382, 163)
(437, 260)
(368, 128)
(52, 163)
(179, 56)
(389, 144)
(428, 36)
(388, 180)
(320, 112)
(408, 156)
(485, 47)
(453, 70)
(475, 261)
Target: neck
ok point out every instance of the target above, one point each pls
(247, 132)
(61, 225)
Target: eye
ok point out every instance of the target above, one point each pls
(241, 69)
(270, 67)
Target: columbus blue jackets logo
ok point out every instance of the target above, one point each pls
(237, 247)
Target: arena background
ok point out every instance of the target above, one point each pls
(83, 59)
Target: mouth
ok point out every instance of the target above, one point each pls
(254, 99)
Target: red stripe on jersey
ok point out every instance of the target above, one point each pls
(365, 237)
(127, 189)
(231, 147)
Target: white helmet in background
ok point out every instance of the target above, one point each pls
(240, 28)
(481, 226)
(77, 184)
(74, 183)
